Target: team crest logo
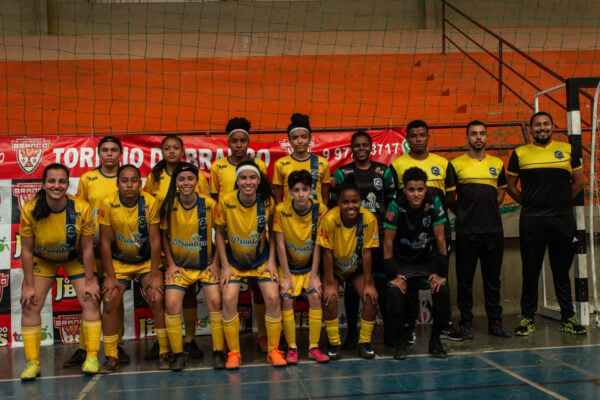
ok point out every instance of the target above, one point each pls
(71, 231)
(261, 221)
(25, 192)
(435, 171)
(378, 183)
(29, 153)
(3, 284)
(202, 223)
(314, 174)
(69, 327)
(427, 221)
(313, 229)
(493, 172)
(559, 155)
(142, 222)
(359, 241)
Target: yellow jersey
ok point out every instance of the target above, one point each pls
(222, 174)
(190, 233)
(57, 237)
(129, 226)
(247, 246)
(346, 240)
(159, 188)
(299, 232)
(317, 166)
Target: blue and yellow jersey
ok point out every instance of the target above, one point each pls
(247, 227)
(477, 187)
(316, 165)
(129, 226)
(159, 189)
(57, 237)
(299, 233)
(222, 174)
(545, 174)
(190, 233)
(343, 240)
(94, 187)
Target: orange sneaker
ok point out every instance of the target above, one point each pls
(234, 360)
(262, 343)
(275, 358)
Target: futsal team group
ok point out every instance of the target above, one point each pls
(380, 232)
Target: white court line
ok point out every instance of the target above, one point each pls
(86, 389)
(519, 377)
(566, 364)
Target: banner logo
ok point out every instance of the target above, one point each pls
(25, 192)
(3, 284)
(29, 153)
(69, 327)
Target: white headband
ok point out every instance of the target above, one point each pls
(247, 168)
(298, 127)
(238, 130)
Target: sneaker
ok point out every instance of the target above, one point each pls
(334, 352)
(218, 359)
(152, 354)
(525, 326)
(466, 331)
(571, 325)
(497, 329)
(111, 364)
(317, 355)
(291, 356)
(449, 333)
(178, 362)
(262, 343)
(192, 350)
(411, 337)
(365, 350)
(436, 349)
(91, 366)
(400, 351)
(234, 360)
(164, 361)
(275, 358)
(351, 341)
(123, 357)
(32, 370)
(76, 359)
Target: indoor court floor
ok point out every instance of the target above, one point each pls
(548, 364)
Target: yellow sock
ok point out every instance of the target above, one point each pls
(92, 331)
(163, 340)
(366, 331)
(273, 326)
(82, 337)
(289, 327)
(110, 345)
(173, 327)
(259, 314)
(216, 330)
(231, 329)
(189, 319)
(32, 337)
(333, 332)
(121, 322)
(314, 327)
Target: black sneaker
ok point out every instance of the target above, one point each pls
(351, 341)
(334, 352)
(365, 350)
(436, 349)
(192, 349)
(123, 357)
(111, 364)
(178, 362)
(76, 359)
(411, 337)
(497, 329)
(152, 354)
(400, 351)
(449, 333)
(219, 360)
(466, 331)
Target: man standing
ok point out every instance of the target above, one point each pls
(550, 180)
(480, 188)
(441, 181)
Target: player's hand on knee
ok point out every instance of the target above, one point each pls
(28, 296)
(436, 282)
(370, 294)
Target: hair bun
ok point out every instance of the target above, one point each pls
(300, 120)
